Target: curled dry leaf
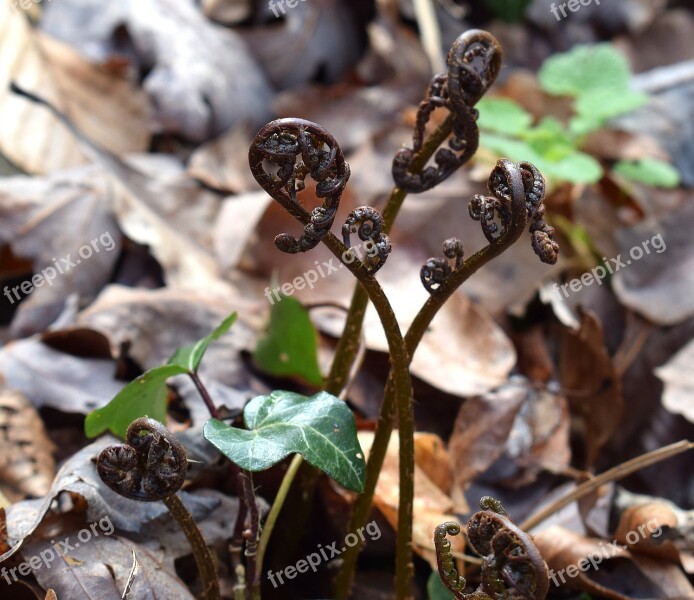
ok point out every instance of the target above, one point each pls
(317, 37)
(26, 457)
(678, 376)
(199, 76)
(37, 220)
(587, 371)
(509, 434)
(50, 378)
(101, 103)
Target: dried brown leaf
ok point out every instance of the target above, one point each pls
(104, 105)
(595, 395)
(26, 453)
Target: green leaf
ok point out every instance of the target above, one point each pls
(585, 69)
(510, 11)
(436, 590)
(649, 171)
(550, 139)
(145, 395)
(503, 116)
(190, 356)
(321, 428)
(603, 104)
(290, 346)
(574, 166)
(577, 167)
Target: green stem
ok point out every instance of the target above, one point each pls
(202, 554)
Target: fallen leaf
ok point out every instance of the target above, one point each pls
(26, 453)
(657, 280)
(595, 395)
(678, 377)
(100, 568)
(431, 505)
(193, 68)
(47, 377)
(105, 106)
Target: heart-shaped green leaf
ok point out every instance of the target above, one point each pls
(191, 355)
(321, 428)
(144, 396)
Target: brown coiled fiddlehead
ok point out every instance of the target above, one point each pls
(512, 567)
(152, 466)
(510, 185)
(368, 224)
(472, 65)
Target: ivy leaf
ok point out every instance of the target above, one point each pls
(649, 171)
(290, 346)
(503, 116)
(321, 428)
(190, 356)
(145, 395)
(584, 70)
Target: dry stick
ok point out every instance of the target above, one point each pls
(618, 472)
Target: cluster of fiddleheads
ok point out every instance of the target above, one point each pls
(472, 64)
(296, 149)
(512, 567)
(510, 185)
(151, 466)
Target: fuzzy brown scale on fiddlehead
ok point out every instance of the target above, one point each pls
(151, 466)
(472, 65)
(513, 568)
(297, 149)
(368, 224)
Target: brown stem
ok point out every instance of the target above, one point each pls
(202, 554)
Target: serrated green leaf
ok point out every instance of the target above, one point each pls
(290, 345)
(320, 428)
(191, 355)
(145, 395)
(577, 167)
(550, 139)
(503, 116)
(603, 104)
(574, 167)
(436, 590)
(511, 148)
(649, 171)
(585, 69)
